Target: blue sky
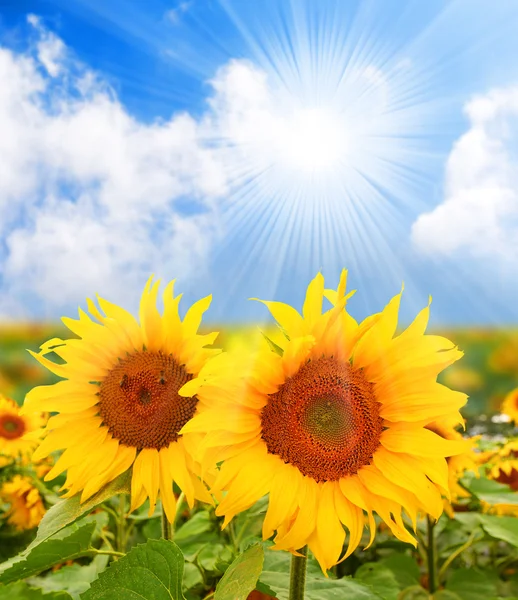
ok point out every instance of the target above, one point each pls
(243, 146)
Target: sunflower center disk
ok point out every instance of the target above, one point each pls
(11, 427)
(139, 401)
(324, 420)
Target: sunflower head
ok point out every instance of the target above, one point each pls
(504, 465)
(19, 433)
(119, 400)
(330, 421)
(26, 506)
(510, 405)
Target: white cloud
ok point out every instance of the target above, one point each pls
(88, 194)
(51, 51)
(174, 15)
(479, 215)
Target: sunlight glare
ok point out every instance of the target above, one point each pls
(312, 139)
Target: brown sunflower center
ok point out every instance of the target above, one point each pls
(11, 427)
(139, 401)
(324, 420)
(510, 479)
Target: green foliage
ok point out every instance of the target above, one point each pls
(74, 579)
(242, 575)
(492, 491)
(470, 584)
(380, 579)
(151, 571)
(404, 568)
(69, 510)
(501, 528)
(22, 591)
(276, 576)
(72, 543)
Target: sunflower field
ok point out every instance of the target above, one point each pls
(316, 457)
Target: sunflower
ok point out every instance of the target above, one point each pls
(26, 506)
(119, 400)
(510, 405)
(18, 433)
(330, 423)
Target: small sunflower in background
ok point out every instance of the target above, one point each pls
(504, 465)
(459, 464)
(25, 506)
(331, 422)
(510, 406)
(18, 432)
(119, 404)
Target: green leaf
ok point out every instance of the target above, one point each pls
(68, 510)
(470, 584)
(199, 523)
(501, 528)
(191, 577)
(404, 567)
(265, 589)
(150, 571)
(414, 592)
(73, 543)
(242, 575)
(380, 579)
(74, 579)
(21, 591)
(468, 520)
(446, 595)
(492, 491)
(214, 558)
(276, 575)
(197, 533)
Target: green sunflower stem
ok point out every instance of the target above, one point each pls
(121, 523)
(298, 574)
(167, 530)
(432, 557)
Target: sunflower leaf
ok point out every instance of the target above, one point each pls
(21, 591)
(491, 491)
(380, 579)
(73, 579)
(501, 528)
(74, 544)
(67, 511)
(241, 577)
(150, 571)
(470, 584)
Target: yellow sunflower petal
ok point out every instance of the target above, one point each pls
(376, 339)
(420, 442)
(150, 318)
(327, 540)
(352, 517)
(166, 486)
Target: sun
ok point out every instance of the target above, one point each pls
(311, 140)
